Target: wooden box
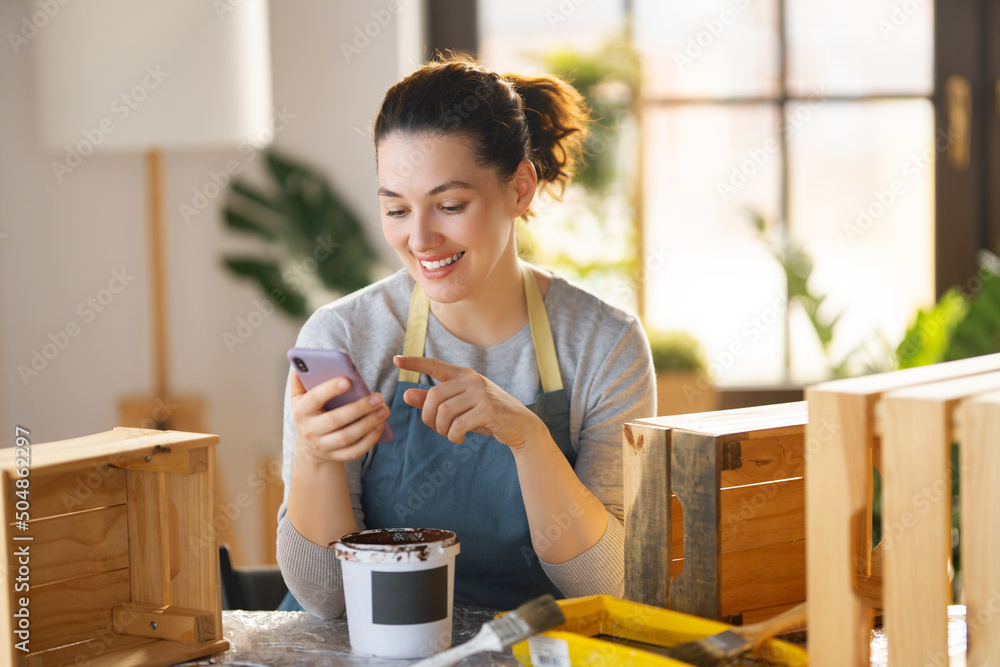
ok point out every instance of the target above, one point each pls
(109, 550)
(905, 424)
(720, 496)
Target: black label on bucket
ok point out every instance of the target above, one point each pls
(406, 598)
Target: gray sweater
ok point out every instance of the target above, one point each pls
(606, 368)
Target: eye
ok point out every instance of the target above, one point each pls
(395, 212)
(452, 209)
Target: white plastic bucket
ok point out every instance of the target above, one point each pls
(399, 587)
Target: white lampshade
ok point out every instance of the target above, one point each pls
(139, 74)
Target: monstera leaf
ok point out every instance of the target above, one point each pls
(313, 246)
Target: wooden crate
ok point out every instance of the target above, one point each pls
(118, 562)
(904, 423)
(720, 496)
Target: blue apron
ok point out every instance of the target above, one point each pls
(422, 479)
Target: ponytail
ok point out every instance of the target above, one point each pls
(509, 118)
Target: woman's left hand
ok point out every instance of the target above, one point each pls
(466, 401)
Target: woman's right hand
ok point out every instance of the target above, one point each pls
(342, 434)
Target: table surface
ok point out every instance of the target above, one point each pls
(298, 639)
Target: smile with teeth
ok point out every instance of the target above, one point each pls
(433, 266)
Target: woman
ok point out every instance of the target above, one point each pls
(506, 386)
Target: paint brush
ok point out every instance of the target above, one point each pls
(530, 618)
(718, 649)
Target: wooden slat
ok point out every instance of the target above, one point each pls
(765, 459)
(181, 461)
(767, 421)
(764, 577)
(979, 438)
(149, 538)
(126, 651)
(916, 424)
(646, 463)
(160, 622)
(194, 544)
(695, 467)
(75, 610)
(79, 544)
(117, 446)
(753, 515)
(837, 440)
(85, 488)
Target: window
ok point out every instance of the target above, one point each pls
(816, 116)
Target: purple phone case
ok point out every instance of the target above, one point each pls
(323, 365)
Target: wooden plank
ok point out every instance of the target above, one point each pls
(837, 452)
(79, 544)
(880, 383)
(149, 538)
(87, 487)
(753, 515)
(695, 468)
(765, 459)
(767, 420)
(916, 517)
(979, 434)
(75, 610)
(125, 651)
(117, 446)
(646, 463)
(768, 576)
(194, 544)
(756, 615)
(181, 461)
(164, 622)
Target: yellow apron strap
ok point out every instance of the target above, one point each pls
(541, 334)
(416, 332)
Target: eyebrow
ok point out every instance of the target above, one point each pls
(450, 185)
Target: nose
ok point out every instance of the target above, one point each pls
(424, 235)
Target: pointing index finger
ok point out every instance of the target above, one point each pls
(441, 371)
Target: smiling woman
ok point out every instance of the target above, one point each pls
(506, 386)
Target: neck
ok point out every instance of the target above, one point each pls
(494, 312)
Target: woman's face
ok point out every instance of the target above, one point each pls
(450, 221)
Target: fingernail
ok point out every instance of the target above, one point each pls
(343, 384)
(383, 411)
(374, 399)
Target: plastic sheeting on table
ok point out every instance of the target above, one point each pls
(299, 639)
(956, 640)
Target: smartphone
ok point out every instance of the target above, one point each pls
(316, 366)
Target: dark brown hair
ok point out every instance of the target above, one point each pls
(509, 117)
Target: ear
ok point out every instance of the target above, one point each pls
(525, 181)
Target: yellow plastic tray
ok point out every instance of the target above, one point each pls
(574, 644)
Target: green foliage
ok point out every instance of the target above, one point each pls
(676, 351)
(797, 266)
(960, 325)
(314, 246)
(609, 81)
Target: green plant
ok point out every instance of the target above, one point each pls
(676, 351)
(315, 248)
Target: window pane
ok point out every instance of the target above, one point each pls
(705, 270)
(855, 47)
(709, 48)
(513, 32)
(862, 201)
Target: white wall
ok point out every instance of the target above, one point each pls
(63, 241)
